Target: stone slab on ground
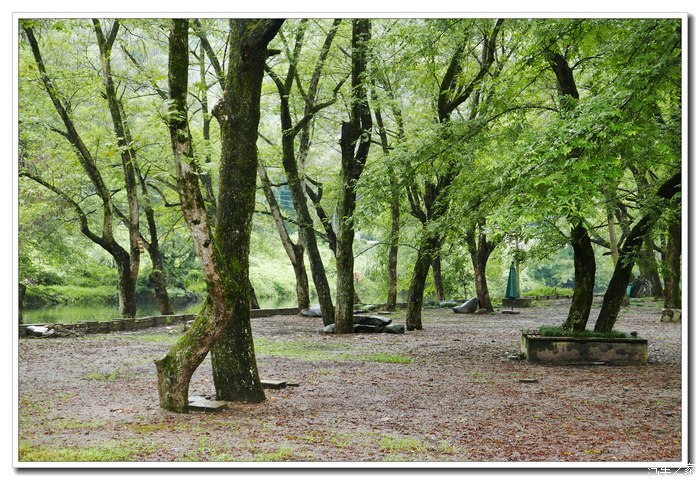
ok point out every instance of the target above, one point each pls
(205, 405)
(273, 384)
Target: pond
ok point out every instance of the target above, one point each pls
(103, 313)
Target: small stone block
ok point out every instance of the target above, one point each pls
(208, 405)
(273, 384)
(528, 380)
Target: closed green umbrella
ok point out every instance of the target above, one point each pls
(512, 286)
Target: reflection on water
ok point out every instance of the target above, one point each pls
(102, 313)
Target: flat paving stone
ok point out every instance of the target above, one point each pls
(208, 405)
(273, 384)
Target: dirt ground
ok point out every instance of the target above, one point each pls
(448, 393)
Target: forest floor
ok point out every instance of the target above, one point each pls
(448, 393)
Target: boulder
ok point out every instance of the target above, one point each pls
(371, 320)
(469, 306)
(448, 304)
(313, 311)
(394, 329)
(39, 331)
(329, 328)
(360, 328)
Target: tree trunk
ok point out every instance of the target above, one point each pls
(672, 276)
(295, 251)
(302, 280)
(584, 279)
(157, 278)
(128, 157)
(354, 144)
(304, 221)
(480, 252)
(392, 259)
(126, 288)
(630, 250)
(417, 287)
(437, 278)
(233, 359)
(223, 325)
(20, 301)
(649, 268)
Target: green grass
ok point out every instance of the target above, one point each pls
(69, 295)
(400, 444)
(549, 291)
(551, 331)
(280, 455)
(110, 376)
(327, 350)
(111, 452)
(386, 358)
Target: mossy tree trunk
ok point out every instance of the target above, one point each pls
(223, 325)
(584, 279)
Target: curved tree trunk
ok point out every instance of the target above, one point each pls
(629, 252)
(223, 325)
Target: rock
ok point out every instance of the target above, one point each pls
(38, 331)
(671, 315)
(313, 311)
(481, 311)
(329, 328)
(356, 311)
(394, 329)
(469, 306)
(187, 325)
(370, 307)
(370, 320)
(448, 304)
(360, 328)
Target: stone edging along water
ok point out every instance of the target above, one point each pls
(130, 324)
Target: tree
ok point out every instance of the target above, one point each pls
(127, 262)
(295, 178)
(354, 144)
(615, 293)
(430, 203)
(223, 325)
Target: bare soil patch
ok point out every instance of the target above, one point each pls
(448, 393)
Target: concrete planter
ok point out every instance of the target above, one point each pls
(517, 302)
(563, 350)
